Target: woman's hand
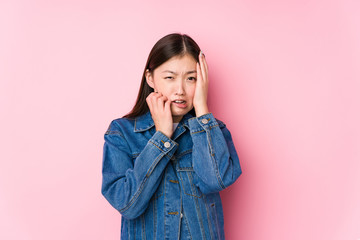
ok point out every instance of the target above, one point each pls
(201, 89)
(160, 110)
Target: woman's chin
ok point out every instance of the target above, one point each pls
(180, 109)
(179, 112)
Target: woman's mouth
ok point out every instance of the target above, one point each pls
(180, 103)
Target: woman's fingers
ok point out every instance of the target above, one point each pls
(159, 106)
(149, 102)
(198, 71)
(161, 102)
(156, 101)
(167, 106)
(203, 67)
(205, 64)
(201, 88)
(152, 102)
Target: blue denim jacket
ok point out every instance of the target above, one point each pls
(168, 188)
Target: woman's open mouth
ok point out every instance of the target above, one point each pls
(180, 103)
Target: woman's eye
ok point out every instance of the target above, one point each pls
(192, 78)
(168, 77)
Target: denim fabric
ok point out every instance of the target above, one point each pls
(168, 188)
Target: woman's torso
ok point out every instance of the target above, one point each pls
(178, 209)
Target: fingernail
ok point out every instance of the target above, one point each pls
(202, 53)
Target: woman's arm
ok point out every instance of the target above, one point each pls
(215, 160)
(128, 185)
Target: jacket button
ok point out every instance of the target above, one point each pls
(167, 144)
(204, 121)
(181, 215)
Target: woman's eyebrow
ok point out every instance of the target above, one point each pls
(193, 71)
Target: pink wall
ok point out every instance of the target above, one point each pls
(284, 76)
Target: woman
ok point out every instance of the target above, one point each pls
(166, 161)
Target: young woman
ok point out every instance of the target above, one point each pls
(166, 161)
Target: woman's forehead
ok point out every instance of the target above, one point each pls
(178, 65)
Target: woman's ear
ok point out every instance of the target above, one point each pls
(149, 78)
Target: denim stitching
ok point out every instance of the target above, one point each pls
(166, 152)
(155, 219)
(210, 127)
(198, 131)
(143, 227)
(183, 188)
(200, 218)
(113, 132)
(187, 224)
(137, 194)
(185, 169)
(181, 210)
(164, 203)
(208, 217)
(183, 153)
(218, 174)
(135, 155)
(208, 135)
(193, 187)
(152, 167)
(216, 219)
(129, 229)
(142, 129)
(162, 187)
(157, 146)
(182, 131)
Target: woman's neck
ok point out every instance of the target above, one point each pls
(177, 119)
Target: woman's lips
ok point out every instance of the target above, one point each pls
(180, 105)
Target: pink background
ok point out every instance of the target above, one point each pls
(284, 77)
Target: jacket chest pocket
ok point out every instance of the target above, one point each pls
(186, 174)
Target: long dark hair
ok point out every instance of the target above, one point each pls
(174, 44)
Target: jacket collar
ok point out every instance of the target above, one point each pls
(145, 122)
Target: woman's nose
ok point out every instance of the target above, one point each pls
(180, 88)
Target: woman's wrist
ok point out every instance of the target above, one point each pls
(165, 132)
(201, 111)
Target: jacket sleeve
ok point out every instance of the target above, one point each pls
(215, 161)
(129, 185)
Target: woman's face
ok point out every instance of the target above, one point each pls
(176, 79)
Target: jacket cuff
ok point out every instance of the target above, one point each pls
(164, 143)
(202, 123)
